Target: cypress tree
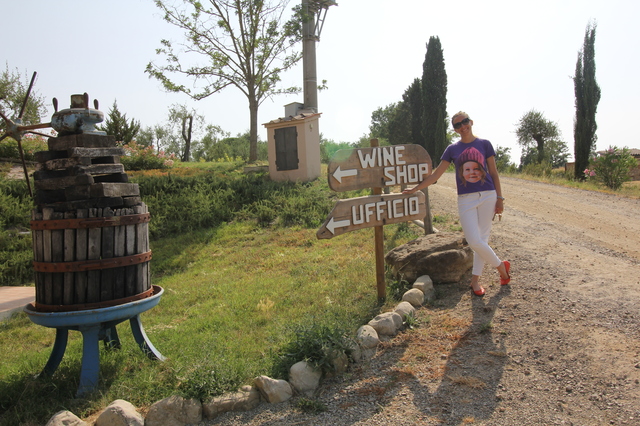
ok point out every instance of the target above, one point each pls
(413, 97)
(587, 94)
(434, 100)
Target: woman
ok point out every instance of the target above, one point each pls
(479, 195)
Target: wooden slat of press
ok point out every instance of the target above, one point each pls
(47, 295)
(57, 255)
(82, 236)
(94, 246)
(130, 249)
(106, 281)
(140, 272)
(69, 256)
(119, 251)
(38, 249)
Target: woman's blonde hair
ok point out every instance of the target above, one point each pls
(458, 114)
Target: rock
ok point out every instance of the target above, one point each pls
(405, 309)
(272, 390)
(339, 362)
(444, 256)
(355, 351)
(65, 418)
(367, 337)
(387, 324)
(245, 399)
(413, 296)
(304, 378)
(425, 285)
(120, 413)
(174, 411)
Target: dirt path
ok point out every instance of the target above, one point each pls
(560, 346)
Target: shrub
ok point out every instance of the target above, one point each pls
(139, 157)
(612, 167)
(538, 169)
(314, 343)
(30, 145)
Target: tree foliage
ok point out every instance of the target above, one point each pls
(434, 99)
(535, 130)
(587, 93)
(238, 43)
(117, 124)
(13, 90)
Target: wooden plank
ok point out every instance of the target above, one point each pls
(63, 182)
(94, 246)
(86, 140)
(95, 152)
(130, 249)
(374, 210)
(106, 189)
(378, 167)
(69, 256)
(106, 279)
(47, 296)
(37, 241)
(99, 169)
(119, 243)
(82, 239)
(140, 248)
(64, 163)
(57, 255)
(44, 156)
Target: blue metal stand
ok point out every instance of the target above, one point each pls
(95, 325)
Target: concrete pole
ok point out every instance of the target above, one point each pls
(309, 39)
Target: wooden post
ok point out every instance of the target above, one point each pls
(379, 247)
(428, 223)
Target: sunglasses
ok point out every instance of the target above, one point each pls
(461, 123)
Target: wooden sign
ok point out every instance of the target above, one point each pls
(378, 167)
(375, 210)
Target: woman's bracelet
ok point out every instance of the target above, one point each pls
(500, 197)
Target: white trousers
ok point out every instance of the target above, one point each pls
(476, 212)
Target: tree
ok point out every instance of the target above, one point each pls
(116, 124)
(587, 94)
(180, 130)
(413, 99)
(556, 153)
(434, 99)
(381, 120)
(13, 90)
(534, 128)
(245, 44)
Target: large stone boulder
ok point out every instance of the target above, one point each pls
(444, 256)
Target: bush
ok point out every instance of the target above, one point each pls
(612, 167)
(314, 343)
(139, 157)
(30, 145)
(16, 252)
(538, 170)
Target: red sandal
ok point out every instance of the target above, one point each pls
(478, 292)
(507, 267)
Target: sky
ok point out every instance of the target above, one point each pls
(502, 59)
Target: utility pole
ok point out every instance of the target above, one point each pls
(316, 11)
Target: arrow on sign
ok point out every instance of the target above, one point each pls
(339, 173)
(333, 224)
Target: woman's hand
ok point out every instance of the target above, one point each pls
(499, 206)
(409, 190)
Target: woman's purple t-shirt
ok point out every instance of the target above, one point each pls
(470, 161)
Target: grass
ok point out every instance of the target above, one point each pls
(233, 296)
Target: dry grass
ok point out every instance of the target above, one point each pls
(468, 381)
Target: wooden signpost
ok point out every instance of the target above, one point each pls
(376, 167)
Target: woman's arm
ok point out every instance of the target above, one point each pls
(431, 179)
(493, 171)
